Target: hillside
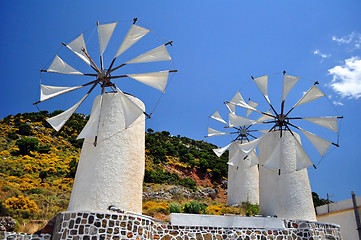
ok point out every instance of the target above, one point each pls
(37, 168)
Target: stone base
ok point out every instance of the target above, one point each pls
(105, 225)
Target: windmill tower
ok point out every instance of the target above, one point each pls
(284, 185)
(243, 176)
(111, 165)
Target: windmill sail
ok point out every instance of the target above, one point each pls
(231, 108)
(47, 92)
(319, 143)
(302, 159)
(237, 121)
(274, 160)
(105, 32)
(218, 117)
(288, 83)
(262, 84)
(131, 110)
(220, 151)
(157, 54)
(77, 47)
(59, 66)
(237, 99)
(248, 147)
(312, 94)
(327, 122)
(92, 126)
(264, 118)
(253, 158)
(58, 121)
(212, 132)
(236, 156)
(134, 34)
(252, 104)
(157, 80)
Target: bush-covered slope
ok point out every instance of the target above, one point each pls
(37, 165)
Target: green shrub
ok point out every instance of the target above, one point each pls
(4, 211)
(174, 208)
(26, 145)
(44, 149)
(160, 176)
(194, 207)
(24, 129)
(72, 166)
(12, 135)
(250, 209)
(35, 191)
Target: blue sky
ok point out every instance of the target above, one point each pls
(217, 46)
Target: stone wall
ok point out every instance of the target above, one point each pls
(23, 236)
(99, 226)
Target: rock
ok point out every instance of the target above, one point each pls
(7, 224)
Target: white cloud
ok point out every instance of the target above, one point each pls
(353, 38)
(322, 55)
(347, 78)
(337, 103)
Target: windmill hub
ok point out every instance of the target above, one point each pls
(102, 73)
(243, 131)
(281, 118)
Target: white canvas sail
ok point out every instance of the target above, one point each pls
(312, 94)
(131, 110)
(274, 160)
(58, 121)
(252, 104)
(248, 147)
(105, 32)
(220, 151)
(237, 121)
(47, 92)
(157, 80)
(265, 117)
(92, 126)
(134, 34)
(237, 99)
(231, 108)
(157, 54)
(319, 143)
(218, 117)
(236, 156)
(327, 122)
(288, 83)
(302, 159)
(253, 158)
(262, 84)
(245, 105)
(76, 47)
(212, 132)
(59, 66)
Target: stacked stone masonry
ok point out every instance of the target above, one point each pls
(120, 226)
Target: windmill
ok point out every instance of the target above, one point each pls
(284, 185)
(242, 168)
(282, 121)
(111, 166)
(104, 77)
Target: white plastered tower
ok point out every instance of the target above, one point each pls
(111, 173)
(243, 179)
(285, 193)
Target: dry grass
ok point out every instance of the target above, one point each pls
(32, 226)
